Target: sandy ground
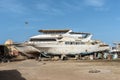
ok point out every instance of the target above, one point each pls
(60, 70)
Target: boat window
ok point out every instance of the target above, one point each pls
(67, 42)
(83, 35)
(114, 48)
(42, 39)
(74, 43)
(104, 45)
(93, 43)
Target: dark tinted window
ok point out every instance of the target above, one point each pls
(74, 43)
(42, 39)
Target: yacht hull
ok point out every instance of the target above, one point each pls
(69, 49)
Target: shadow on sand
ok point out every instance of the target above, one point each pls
(11, 75)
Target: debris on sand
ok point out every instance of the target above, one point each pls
(94, 71)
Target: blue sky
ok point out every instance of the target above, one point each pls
(99, 17)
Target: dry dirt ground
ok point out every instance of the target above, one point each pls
(60, 70)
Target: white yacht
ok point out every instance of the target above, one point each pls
(67, 42)
(62, 43)
(115, 51)
(116, 47)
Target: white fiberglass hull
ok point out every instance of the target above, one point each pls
(68, 49)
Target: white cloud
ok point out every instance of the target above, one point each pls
(95, 3)
(47, 8)
(43, 6)
(61, 7)
(76, 5)
(11, 6)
